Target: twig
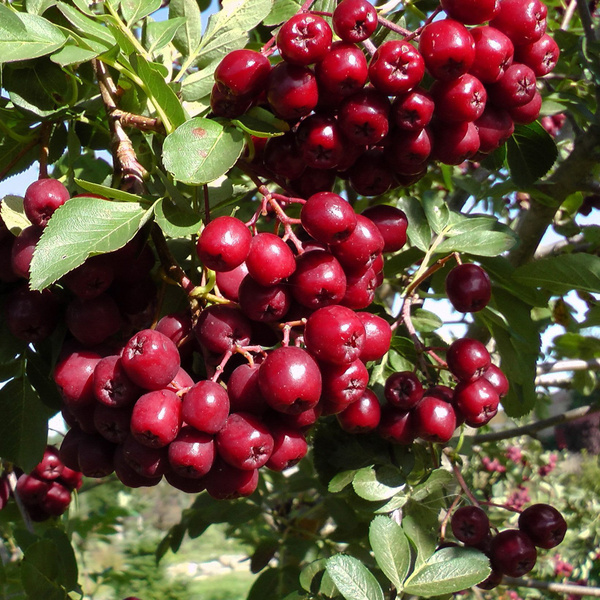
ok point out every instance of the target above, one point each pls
(586, 20)
(533, 428)
(560, 588)
(168, 262)
(45, 130)
(568, 14)
(562, 366)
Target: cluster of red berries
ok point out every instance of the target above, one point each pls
(378, 122)
(433, 414)
(512, 552)
(46, 491)
(105, 295)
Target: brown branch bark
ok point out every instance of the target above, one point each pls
(559, 588)
(533, 428)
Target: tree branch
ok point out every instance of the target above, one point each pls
(569, 177)
(562, 366)
(560, 588)
(533, 428)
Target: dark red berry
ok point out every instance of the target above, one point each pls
(512, 552)
(354, 20)
(304, 39)
(470, 525)
(224, 244)
(42, 198)
(545, 526)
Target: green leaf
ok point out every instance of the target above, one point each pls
(108, 192)
(24, 424)
(436, 211)
(176, 222)
(426, 321)
(39, 571)
(478, 243)
(68, 571)
(38, 7)
(448, 570)
(561, 274)
(199, 84)
(531, 154)
(353, 579)
(282, 10)
(419, 232)
(24, 36)
(436, 481)
(391, 549)
(88, 27)
(341, 480)
(13, 214)
(161, 33)
(134, 10)
(72, 54)
(378, 484)
(163, 94)
(80, 228)
(315, 579)
(188, 37)
(420, 525)
(201, 150)
(261, 123)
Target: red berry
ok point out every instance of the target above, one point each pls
(467, 359)
(397, 425)
(343, 70)
(523, 21)
(42, 198)
(363, 116)
(396, 68)
(471, 12)
(392, 224)
(378, 334)
(468, 288)
(205, 406)
(242, 73)
(224, 244)
(361, 416)
(270, 259)
(289, 447)
(512, 552)
(435, 420)
(460, 99)
(221, 327)
(470, 525)
(304, 39)
(292, 91)
(403, 390)
(156, 418)
(477, 401)
(354, 20)
(328, 218)
(413, 111)
(544, 525)
(493, 53)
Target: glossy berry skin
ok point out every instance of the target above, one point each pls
(362, 416)
(396, 67)
(470, 525)
(113, 424)
(412, 111)
(304, 39)
(494, 127)
(515, 88)
(50, 467)
(471, 12)
(461, 99)
(205, 406)
(544, 525)
(494, 53)
(541, 56)
(93, 321)
(290, 380)
(266, 304)
(318, 280)
(527, 113)
(156, 418)
(378, 334)
(23, 248)
(363, 116)
(360, 289)
(467, 359)
(42, 198)
(282, 156)
(342, 385)
(244, 441)
(523, 21)
(360, 249)
(224, 244)
(328, 218)
(403, 390)
(343, 70)
(30, 315)
(477, 401)
(150, 359)
(369, 175)
(409, 151)
(354, 20)
(498, 379)
(242, 73)
(225, 482)
(145, 461)
(244, 391)
(112, 386)
(292, 91)
(435, 420)
(289, 447)
(320, 142)
(397, 425)
(512, 552)
(468, 288)
(455, 142)
(334, 334)
(90, 279)
(229, 282)
(228, 106)
(269, 259)
(448, 49)
(220, 327)
(392, 224)
(73, 376)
